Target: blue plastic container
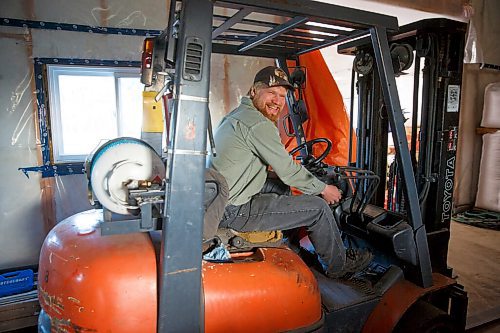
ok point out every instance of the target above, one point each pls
(16, 282)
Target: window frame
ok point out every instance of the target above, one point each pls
(49, 168)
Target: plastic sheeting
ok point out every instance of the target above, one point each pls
(491, 109)
(327, 115)
(230, 78)
(483, 29)
(144, 14)
(30, 207)
(474, 83)
(481, 48)
(21, 221)
(488, 191)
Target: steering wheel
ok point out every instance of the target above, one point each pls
(311, 161)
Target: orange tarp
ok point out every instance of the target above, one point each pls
(327, 114)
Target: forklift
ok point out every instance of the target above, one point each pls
(135, 265)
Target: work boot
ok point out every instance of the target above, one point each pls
(356, 260)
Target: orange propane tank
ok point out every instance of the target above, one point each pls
(94, 283)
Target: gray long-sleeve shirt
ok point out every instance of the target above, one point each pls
(247, 143)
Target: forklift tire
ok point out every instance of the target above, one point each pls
(424, 317)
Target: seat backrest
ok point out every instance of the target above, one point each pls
(216, 195)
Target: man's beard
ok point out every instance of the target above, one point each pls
(272, 117)
(262, 109)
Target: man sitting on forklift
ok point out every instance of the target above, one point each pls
(248, 145)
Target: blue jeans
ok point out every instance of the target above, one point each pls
(272, 211)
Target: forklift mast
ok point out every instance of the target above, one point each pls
(191, 37)
(439, 45)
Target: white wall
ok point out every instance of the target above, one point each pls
(21, 225)
(29, 207)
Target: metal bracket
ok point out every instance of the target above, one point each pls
(126, 226)
(49, 169)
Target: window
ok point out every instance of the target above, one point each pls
(90, 105)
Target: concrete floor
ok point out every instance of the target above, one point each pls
(474, 254)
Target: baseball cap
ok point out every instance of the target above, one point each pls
(272, 77)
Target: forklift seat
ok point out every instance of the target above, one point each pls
(216, 195)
